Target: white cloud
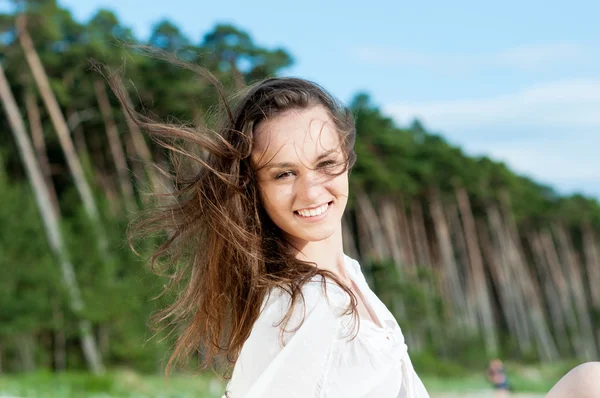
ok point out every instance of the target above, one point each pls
(561, 159)
(550, 131)
(565, 164)
(527, 57)
(521, 57)
(567, 103)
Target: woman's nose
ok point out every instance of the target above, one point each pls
(310, 187)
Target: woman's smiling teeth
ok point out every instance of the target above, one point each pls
(314, 211)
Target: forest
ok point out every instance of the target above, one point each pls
(474, 260)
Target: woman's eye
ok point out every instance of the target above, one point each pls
(284, 175)
(327, 163)
(329, 166)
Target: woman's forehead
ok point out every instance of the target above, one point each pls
(303, 134)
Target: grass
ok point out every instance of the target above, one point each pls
(113, 384)
(522, 378)
(124, 383)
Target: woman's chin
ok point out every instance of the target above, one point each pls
(316, 236)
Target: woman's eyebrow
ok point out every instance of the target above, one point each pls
(284, 165)
(278, 165)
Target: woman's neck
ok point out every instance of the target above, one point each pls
(327, 254)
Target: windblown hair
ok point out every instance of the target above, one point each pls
(223, 248)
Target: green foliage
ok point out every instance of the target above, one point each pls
(29, 285)
(228, 47)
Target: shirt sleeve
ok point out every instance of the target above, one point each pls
(266, 368)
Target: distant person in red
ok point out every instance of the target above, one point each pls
(497, 375)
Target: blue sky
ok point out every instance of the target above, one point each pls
(518, 81)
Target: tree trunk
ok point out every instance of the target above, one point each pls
(105, 181)
(405, 236)
(389, 223)
(551, 291)
(478, 283)
(513, 301)
(592, 263)
(537, 319)
(463, 266)
(81, 147)
(370, 236)
(373, 232)
(558, 276)
(116, 147)
(569, 261)
(62, 131)
(420, 234)
(39, 144)
(452, 287)
(139, 143)
(50, 220)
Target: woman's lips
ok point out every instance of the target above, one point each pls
(315, 218)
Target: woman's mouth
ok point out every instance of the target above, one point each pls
(315, 213)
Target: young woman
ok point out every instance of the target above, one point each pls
(266, 283)
(337, 339)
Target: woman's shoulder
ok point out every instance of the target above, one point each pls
(290, 336)
(281, 318)
(319, 297)
(353, 266)
(317, 293)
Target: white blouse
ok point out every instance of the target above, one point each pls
(319, 358)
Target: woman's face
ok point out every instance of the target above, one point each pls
(293, 154)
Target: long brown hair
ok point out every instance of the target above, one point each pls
(225, 252)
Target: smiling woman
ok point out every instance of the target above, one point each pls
(306, 340)
(255, 237)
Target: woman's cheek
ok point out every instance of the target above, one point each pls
(278, 193)
(277, 198)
